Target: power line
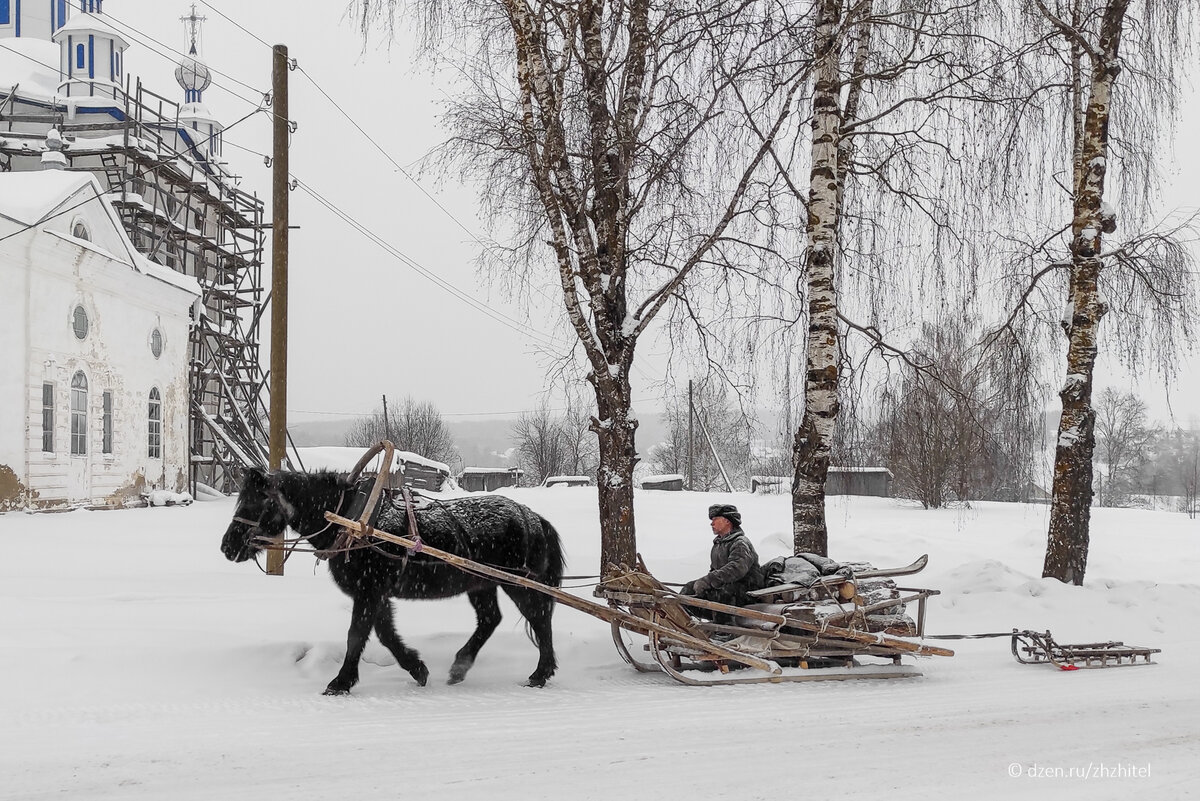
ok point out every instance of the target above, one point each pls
(399, 168)
(503, 319)
(135, 33)
(512, 413)
(232, 22)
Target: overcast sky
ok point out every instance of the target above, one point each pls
(362, 321)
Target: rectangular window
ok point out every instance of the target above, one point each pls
(107, 424)
(62, 14)
(155, 441)
(5, 13)
(48, 418)
(78, 421)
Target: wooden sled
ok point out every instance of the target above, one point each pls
(799, 640)
(1039, 648)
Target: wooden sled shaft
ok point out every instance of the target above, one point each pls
(595, 610)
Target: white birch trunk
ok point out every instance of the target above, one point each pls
(1070, 509)
(814, 437)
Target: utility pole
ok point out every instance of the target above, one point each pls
(691, 417)
(387, 427)
(279, 283)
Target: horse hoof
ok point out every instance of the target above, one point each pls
(336, 691)
(421, 674)
(534, 682)
(458, 671)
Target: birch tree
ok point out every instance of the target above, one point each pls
(597, 130)
(1118, 104)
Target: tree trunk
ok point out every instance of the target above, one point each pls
(814, 437)
(1070, 508)
(615, 430)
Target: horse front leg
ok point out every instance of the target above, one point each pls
(362, 618)
(407, 658)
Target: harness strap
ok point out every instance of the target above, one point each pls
(412, 518)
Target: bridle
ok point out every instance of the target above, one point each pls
(289, 546)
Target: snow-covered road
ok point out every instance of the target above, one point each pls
(137, 663)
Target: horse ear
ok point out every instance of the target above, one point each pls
(255, 477)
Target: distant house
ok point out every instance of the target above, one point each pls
(770, 485)
(409, 470)
(487, 479)
(876, 481)
(567, 481)
(1034, 493)
(671, 482)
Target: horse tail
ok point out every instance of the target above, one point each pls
(555, 560)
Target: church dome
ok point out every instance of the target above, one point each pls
(193, 74)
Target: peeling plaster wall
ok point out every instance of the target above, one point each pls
(123, 307)
(13, 378)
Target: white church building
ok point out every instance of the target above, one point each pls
(130, 274)
(95, 350)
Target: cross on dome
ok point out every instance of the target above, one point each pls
(192, 73)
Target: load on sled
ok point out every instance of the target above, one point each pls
(817, 620)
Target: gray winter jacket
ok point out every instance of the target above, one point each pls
(733, 560)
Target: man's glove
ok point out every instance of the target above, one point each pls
(688, 589)
(698, 586)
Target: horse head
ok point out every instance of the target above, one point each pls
(261, 512)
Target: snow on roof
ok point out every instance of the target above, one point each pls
(476, 471)
(860, 470)
(551, 480)
(30, 63)
(663, 477)
(89, 23)
(167, 275)
(30, 198)
(196, 111)
(342, 459)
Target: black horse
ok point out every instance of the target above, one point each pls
(490, 529)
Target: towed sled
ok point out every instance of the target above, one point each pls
(1039, 648)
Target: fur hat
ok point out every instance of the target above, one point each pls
(727, 511)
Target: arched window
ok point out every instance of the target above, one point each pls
(80, 57)
(155, 441)
(79, 407)
(80, 231)
(156, 343)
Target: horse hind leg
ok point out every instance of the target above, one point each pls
(407, 658)
(537, 609)
(487, 618)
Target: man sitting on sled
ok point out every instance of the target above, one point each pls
(733, 564)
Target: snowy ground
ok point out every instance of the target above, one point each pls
(137, 663)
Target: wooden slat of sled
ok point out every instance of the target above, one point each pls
(883, 640)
